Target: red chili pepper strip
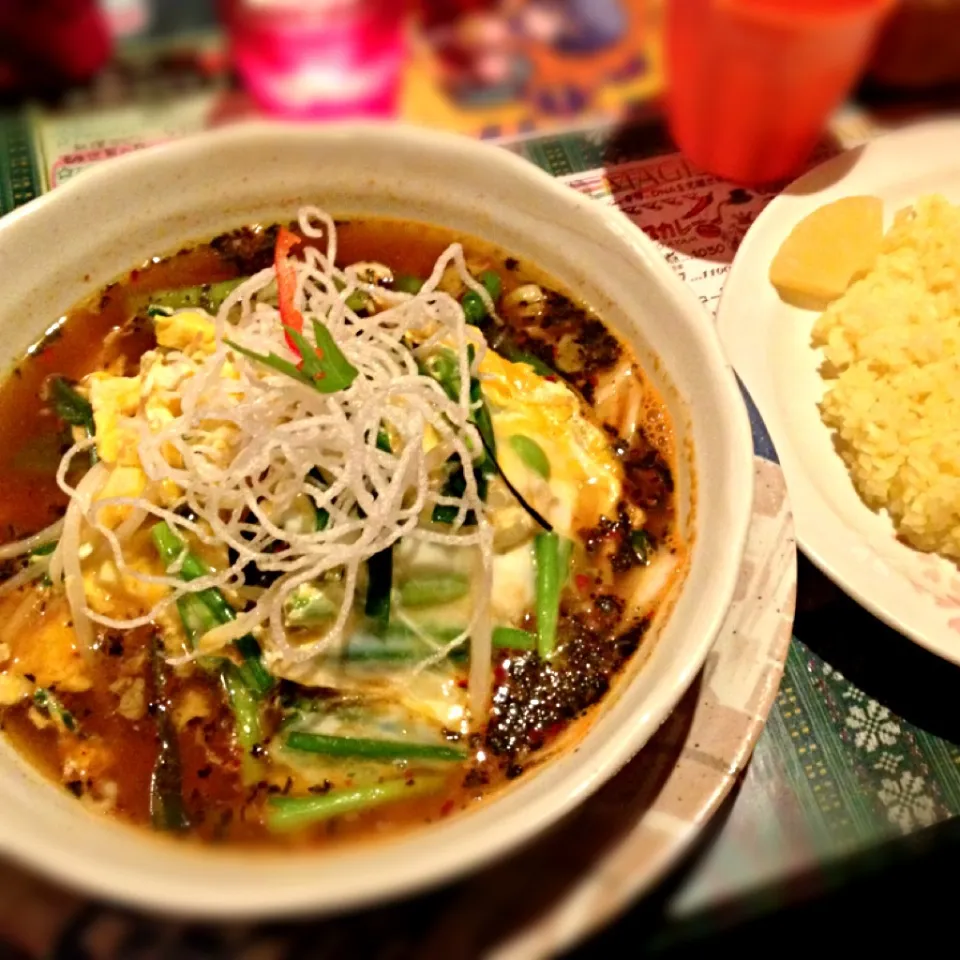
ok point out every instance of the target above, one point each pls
(287, 285)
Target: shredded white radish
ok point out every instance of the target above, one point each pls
(32, 571)
(41, 539)
(246, 441)
(68, 554)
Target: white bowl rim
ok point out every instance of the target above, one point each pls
(390, 873)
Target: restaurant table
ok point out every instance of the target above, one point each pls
(862, 745)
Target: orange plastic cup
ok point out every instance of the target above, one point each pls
(751, 84)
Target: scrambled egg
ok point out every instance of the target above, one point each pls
(112, 593)
(586, 478)
(42, 651)
(152, 395)
(189, 330)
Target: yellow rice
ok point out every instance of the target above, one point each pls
(892, 350)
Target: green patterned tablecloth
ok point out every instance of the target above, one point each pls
(851, 755)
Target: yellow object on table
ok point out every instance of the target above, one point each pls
(827, 250)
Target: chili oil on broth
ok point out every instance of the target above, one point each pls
(100, 732)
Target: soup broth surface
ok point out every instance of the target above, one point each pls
(141, 732)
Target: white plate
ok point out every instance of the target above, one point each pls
(768, 343)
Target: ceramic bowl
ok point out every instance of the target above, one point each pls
(73, 241)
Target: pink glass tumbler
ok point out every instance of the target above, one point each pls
(319, 59)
